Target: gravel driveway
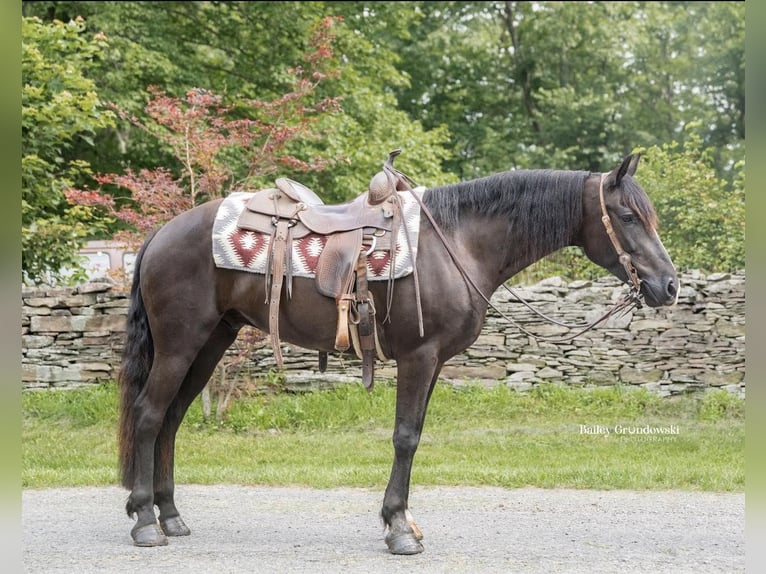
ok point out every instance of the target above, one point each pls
(471, 530)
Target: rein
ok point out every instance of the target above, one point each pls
(630, 301)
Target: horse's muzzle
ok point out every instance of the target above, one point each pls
(661, 292)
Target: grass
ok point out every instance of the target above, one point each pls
(473, 436)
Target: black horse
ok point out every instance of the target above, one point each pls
(185, 312)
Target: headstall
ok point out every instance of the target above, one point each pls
(623, 256)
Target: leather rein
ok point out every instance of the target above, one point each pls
(632, 300)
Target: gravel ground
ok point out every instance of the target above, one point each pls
(471, 530)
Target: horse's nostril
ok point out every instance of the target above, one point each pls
(672, 289)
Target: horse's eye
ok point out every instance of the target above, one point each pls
(628, 218)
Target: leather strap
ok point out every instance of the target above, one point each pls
(624, 257)
(342, 342)
(379, 353)
(289, 260)
(277, 250)
(401, 182)
(366, 326)
(270, 262)
(395, 224)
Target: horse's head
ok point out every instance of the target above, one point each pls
(632, 223)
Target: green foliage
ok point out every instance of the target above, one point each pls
(346, 407)
(181, 46)
(80, 408)
(574, 85)
(702, 216)
(422, 151)
(720, 405)
(59, 108)
(464, 88)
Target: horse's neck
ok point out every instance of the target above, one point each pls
(523, 252)
(496, 251)
(504, 223)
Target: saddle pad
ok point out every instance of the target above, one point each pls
(244, 250)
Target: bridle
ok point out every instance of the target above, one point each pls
(622, 255)
(632, 300)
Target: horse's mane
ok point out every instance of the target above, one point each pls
(542, 205)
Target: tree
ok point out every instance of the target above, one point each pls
(574, 85)
(180, 46)
(702, 215)
(217, 146)
(60, 108)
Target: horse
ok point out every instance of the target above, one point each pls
(185, 312)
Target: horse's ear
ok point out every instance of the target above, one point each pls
(628, 167)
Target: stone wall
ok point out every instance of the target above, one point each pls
(73, 336)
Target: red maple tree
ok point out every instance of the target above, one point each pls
(218, 145)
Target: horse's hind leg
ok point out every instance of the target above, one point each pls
(164, 453)
(164, 380)
(416, 376)
(174, 356)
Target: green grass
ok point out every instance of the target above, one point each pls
(473, 436)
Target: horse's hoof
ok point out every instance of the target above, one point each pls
(403, 543)
(174, 526)
(149, 535)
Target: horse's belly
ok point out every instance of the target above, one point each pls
(306, 317)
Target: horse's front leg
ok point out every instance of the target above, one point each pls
(416, 376)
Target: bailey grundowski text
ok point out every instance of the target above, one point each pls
(630, 429)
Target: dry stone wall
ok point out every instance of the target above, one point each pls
(72, 337)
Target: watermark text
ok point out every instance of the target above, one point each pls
(645, 433)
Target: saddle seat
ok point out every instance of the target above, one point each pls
(294, 201)
(353, 229)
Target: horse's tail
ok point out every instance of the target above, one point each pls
(137, 358)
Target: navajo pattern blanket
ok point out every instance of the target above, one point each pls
(244, 250)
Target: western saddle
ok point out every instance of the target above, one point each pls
(354, 229)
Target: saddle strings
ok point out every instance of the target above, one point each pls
(418, 304)
(624, 306)
(393, 176)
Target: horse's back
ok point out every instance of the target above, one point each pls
(187, 230)
(181, 283)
